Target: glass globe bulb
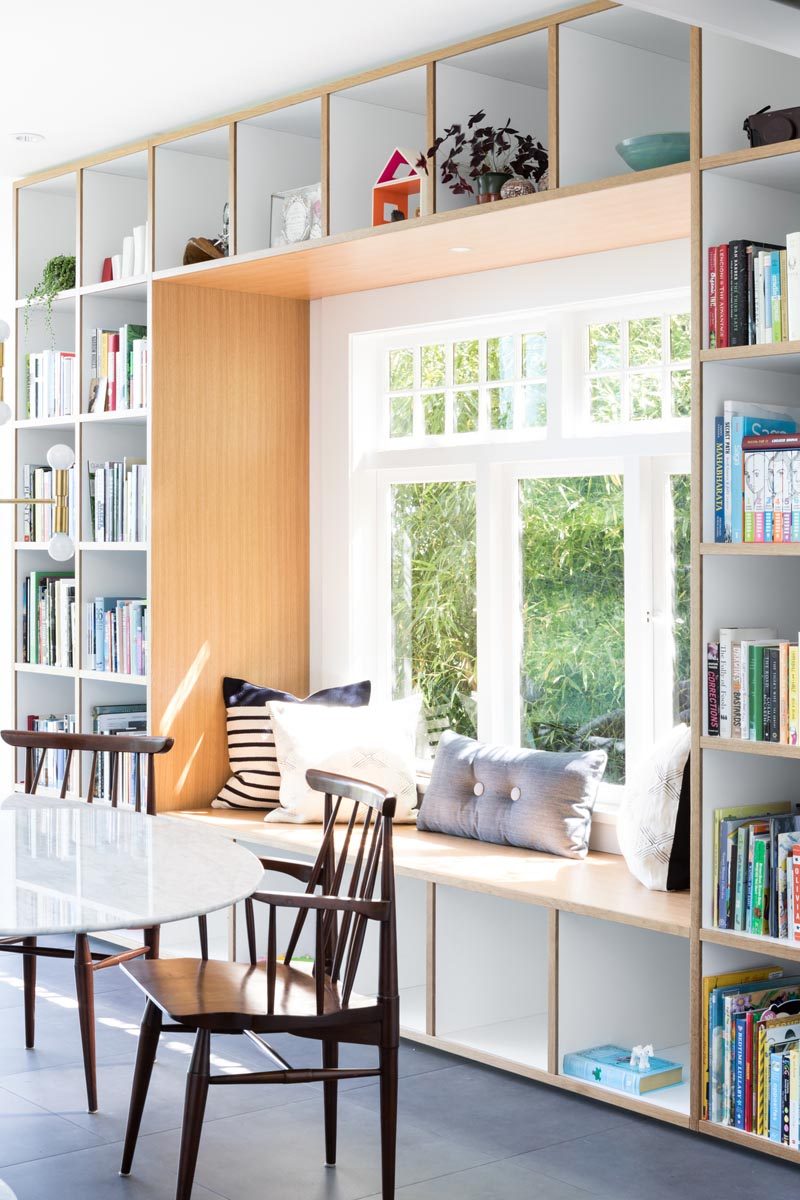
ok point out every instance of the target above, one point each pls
(61, 457)
(5, 331)
(5, 413)
(60, 547)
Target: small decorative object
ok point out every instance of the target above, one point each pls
(614, 1067)
(223, 241)
(640, 1057)
(486, 157)
(200, 249)
(654, 150)
(517, 187)
(58, 276)
(772, 125)
(394, 194)
(106, 274)
(296, 215)
(116, 266)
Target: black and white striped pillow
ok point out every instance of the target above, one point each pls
(255, 778)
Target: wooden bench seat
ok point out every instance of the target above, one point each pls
(598, 886)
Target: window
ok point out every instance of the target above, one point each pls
(529, 577)
(470, 385)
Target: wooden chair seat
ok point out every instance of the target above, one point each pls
(235, 995)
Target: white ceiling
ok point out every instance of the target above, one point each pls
(92, 76)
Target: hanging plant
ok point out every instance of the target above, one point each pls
(485, 150)
(58, 276)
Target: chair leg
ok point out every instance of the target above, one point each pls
(388, 1065)
(330, 1059)
(29, 980)
(194, 1108)
(145, 1057)
(84, 987)
(152, 939)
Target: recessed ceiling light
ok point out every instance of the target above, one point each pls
(460, 249)
(27, 137)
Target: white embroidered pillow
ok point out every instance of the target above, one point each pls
(375, 744)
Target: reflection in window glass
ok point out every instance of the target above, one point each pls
(605, 398)
(605, 346)
(499, 358)
(534, 409)
(645, 397)
(432, 366)
(501, 407)
(572, 673)
(466, 362)
(433, 406)
(465, 411)
(401, 370)
(401, 420)
(680, 492)
(534, 355)
(433, 601)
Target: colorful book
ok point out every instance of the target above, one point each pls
(610, 1066)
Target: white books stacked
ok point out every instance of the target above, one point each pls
(118, 500)
(50, 383)
(37, 519)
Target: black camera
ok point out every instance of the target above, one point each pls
(768, 126)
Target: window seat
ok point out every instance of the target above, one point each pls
(598, 886)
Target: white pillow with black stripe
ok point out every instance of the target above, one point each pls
(255, 780)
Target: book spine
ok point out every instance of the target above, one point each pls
(756, 925)
(783, 694)
(793, 695)
(719, 480)
(723, 300)
(712, 675)
(737, 293)
(784, 305)
(736, 689)
(740, 900)
(774, 658)
(793, 285)
(794, 1098)
(786, 1084)
(758, 298)
(769, 496)
(724, 683)
(727, 434)
(775, 294)
(775, 1088)
(738, 1074)
(712, 297)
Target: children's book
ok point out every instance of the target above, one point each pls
(611, 1067)
(711, 983)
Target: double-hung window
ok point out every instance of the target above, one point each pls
(521, 527)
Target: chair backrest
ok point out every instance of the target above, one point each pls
(107, 751)
(364, 842)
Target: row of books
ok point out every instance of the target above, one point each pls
(751, 1052)
(753, 292)
(118, 365)
(37, 519)
(55, 761)
(117, 635)
(753, 686)
(756, 871)
(756, 473)
(49, 383)
(118, 500)
(49, 618)
(132, 774)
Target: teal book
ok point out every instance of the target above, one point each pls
(611, 1067)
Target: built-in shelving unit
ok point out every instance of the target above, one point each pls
(226, 429)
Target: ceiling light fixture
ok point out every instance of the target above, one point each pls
(27, 137)
(460, 249)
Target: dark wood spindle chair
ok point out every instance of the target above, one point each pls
(87, 961)
(280, 996)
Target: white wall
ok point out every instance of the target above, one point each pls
(191, 190)
(461, 93)
(739, 79)
(362, 138)
(609, 91)
(267, 161)
(6, 485)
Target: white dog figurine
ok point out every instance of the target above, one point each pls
(640, 1057)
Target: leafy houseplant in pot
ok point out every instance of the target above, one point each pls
(482, 158)
(58, 276)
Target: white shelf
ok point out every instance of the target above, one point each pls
(39, 669)
(673, 1099)
(124, 547)
(114, 677)
(523, 1040)
(136, 416)
(134, 287)
(39, 546)
(67, 297)
(44, 423)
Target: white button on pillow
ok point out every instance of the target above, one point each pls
(376, 744)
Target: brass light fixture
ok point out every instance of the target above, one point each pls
(60, 458)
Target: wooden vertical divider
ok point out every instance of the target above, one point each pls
(552, 991)
(428, 196)
(150, 249)
(325, 156)
(430, 959)
(232, 187)
(552, 105)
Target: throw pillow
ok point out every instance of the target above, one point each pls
(375, 744)
(255, 780)
(653, 825)
(531, 798)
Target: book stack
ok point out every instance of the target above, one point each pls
(49, 383)
(753, 293)
(752, 686)
(756, 473)
(116, 635)
(118, 500)
(113, 719)
(751, 1052)
(48, 618)
(118, 363)
(756, 871)
(37, 519)
(611, 1067)
(55, 761)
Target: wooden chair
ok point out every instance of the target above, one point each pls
(86, 960)
(280, 996)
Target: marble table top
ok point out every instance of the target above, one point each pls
(71, 867)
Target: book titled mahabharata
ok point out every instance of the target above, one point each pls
(611, 1067)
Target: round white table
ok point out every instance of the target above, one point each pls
(67, 867)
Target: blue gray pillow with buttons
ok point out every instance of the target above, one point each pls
(535, 799)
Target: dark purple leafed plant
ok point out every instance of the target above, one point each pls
(502, 150)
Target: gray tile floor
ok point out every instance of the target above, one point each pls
(466, 1132)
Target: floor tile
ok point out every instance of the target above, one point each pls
(496, 1181)
(29, 1132)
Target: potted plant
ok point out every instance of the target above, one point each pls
(481, 159)
(58, 276)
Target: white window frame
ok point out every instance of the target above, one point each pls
(645, 453)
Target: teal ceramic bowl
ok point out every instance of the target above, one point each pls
(654, 150)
